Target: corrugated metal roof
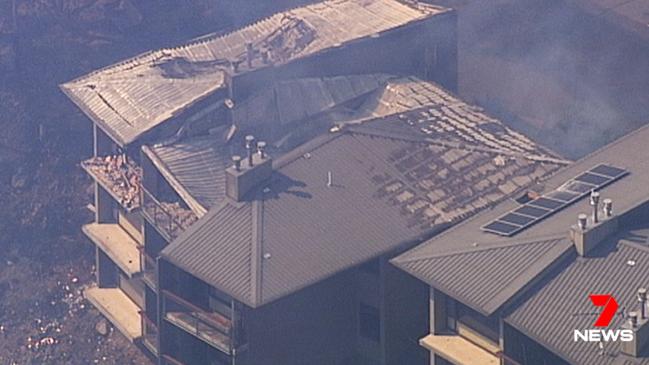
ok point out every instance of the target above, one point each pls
(388, 190)
(220, 252)
(488, 275)
(298, 99)
(625, 194)
(134, 96)
(195, 168)
(562, 305)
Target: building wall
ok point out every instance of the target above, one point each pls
(406, 317)
(315, 326)
(523, 350)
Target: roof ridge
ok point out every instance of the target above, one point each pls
(491, 245)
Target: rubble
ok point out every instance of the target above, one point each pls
(121, 176)
(102, 327)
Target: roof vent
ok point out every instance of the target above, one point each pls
(639, 324)
(243, 176)
(588, 234)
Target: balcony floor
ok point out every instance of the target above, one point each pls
(458, 350)
(118, 308)
(213, 337)
(117, 244)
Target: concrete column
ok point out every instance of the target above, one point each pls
(103, 205)
(106, 271)
(102, 144)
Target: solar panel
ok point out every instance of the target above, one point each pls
(546, 203)
(572, 190)
(532, 211)
(593, 179)
(516, 219)
(563, 196)
(610, 171)
(501, 228)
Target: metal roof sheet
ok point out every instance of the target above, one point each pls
(489, 274)
(564, 299)
(130, 98)
(195, 168)
(388, 191)
(624, 193)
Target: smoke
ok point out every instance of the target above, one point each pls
(571, 80)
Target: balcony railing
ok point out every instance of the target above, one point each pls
(119, 176)
(149, 268)
(170, 218)
(149, 333)
(211, 327)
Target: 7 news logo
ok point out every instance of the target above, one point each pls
(599, 334)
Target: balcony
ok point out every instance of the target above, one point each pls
(210, 327)
(118, 308)
(117, 244)
(459, 350)
(150, 333)
(170, 219)
(120, 177)
(150, 268)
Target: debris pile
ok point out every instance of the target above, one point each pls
(119, 175)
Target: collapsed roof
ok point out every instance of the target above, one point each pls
(129, 98)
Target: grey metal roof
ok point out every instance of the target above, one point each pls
(131, 97)
(389, 190)
(295, 100)
(562, 305)
(195, 168)
(625, 194)
(222, 249)
(489, 273)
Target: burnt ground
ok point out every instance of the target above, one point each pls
(45, 261)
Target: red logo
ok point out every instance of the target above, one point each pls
(610, 308)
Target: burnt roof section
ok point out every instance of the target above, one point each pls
(624, 193)
(295, 100)
(134, 96)
(195, 168)
(390, 189)
(490, 273)
(620, 267)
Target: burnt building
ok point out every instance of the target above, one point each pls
(213, 247)
(285, 262)
(511, 285)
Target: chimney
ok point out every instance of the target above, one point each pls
(246, 174)
(587, 234)
(639, 324)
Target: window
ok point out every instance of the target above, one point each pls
(369, 322)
